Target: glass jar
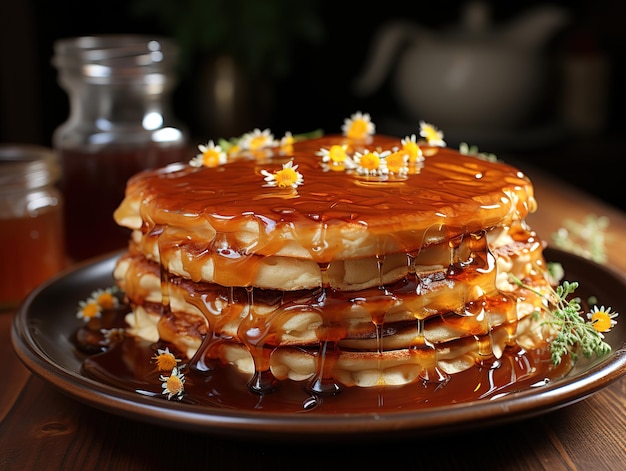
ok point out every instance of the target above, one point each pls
(31, 222)
(120, 122)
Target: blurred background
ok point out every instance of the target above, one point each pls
(533, 81)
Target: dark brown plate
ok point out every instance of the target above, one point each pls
(45, 322)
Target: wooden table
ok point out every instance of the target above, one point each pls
(42, 429)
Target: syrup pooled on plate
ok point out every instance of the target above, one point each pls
(129, 365)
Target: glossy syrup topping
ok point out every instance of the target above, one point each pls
(335, 211)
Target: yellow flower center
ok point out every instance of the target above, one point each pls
(338, 167)
(287, 145)
(106, 301)
(395, 162)
(601, 321)
(91, 310)
(174, 384)
(358, 129)
(288, 140)
(430, 133)
(210, 158)
(286, 177)
(370, 161)
(257, 142)
(412, 150)
(165, 361)
(337, 154)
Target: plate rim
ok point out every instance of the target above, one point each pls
(232, 422)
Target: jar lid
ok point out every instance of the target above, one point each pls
(119, 57)
(24, 166)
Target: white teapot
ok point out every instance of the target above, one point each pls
(473, 76)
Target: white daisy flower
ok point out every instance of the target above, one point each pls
(371, 163)
(211, 155)
(174, 384)
(287, 177)
(358, 126)
(433, 136)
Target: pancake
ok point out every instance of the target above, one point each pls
(363, 261)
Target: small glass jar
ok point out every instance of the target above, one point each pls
(120, 122)
(31, 222)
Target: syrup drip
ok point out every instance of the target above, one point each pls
(164, 275)
(427, 354)
(380, 261)
(322, 381)
(254, 332)
(378, 316)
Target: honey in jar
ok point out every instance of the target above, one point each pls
(31, 222)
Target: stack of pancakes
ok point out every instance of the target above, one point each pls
(347, 278)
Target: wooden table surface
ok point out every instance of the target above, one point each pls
(42, 429)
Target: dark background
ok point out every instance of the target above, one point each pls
(316, 92)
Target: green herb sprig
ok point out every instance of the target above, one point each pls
(574, 331)
(466, 149)
(227, 144)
